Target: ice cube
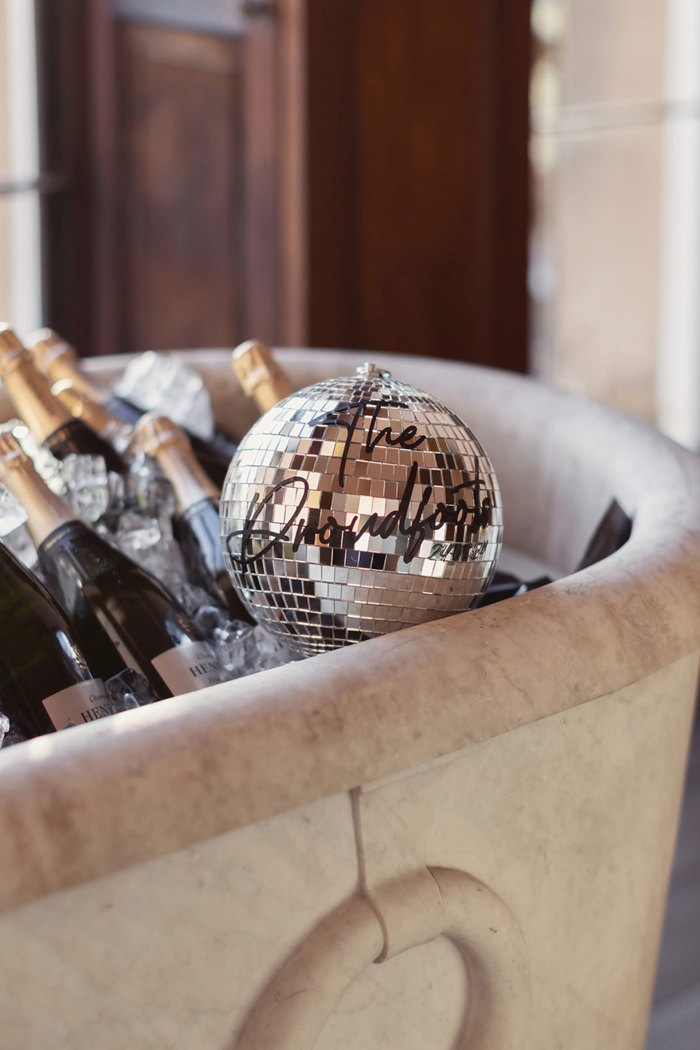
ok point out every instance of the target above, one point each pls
(138, 531)
(150, 543)
(233, 649)
(268, 651)
(241, 648)
(245, 649)
(164, 384)
(199, 603)
(148, 488)
(45, 463)
(117, 493)
(12, 513)
(86, 483)
(128, 689)
(20, 543)
(11, 735)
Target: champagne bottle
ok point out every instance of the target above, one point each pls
(121, 615)
(259, 374)
(98, 417)
(197, 525)
(58, 360)
(45, 681)
(50, 422)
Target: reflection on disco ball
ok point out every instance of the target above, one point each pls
(356, 507)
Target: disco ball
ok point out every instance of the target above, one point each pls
(355, 507)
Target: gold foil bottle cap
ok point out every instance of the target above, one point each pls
(46, 346)
(83, 407)
(11, 349)
(28, 389)
(259, 374)
(71, 398)
(12, 454)
(58, 359)
(95, 415)
(153, 433)
(166, 442)
(45, 510)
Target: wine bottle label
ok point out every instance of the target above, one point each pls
(187, 667)
(78, 704)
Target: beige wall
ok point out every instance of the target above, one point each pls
(4, 158)
(600, 112)
(20, 258)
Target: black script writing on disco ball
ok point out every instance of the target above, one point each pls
(359, 506)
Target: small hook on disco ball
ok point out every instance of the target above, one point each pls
(368, 369)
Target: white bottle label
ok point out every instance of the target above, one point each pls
(187, 667)
(78, 704)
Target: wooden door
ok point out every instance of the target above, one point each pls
(418, 177)
(309, 172)
(186, 159)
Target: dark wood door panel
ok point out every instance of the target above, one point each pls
(424, 113)
(182, 216)
(335, 172)
(217, 17)
(418, 180)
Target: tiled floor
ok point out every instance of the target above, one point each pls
(675, 1019)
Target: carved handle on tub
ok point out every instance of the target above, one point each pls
(295, 1006)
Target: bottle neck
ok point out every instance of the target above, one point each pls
(58, 360)
(270, 390)
(31, 395)
(260, 376)
(64, 368)
(46, 512)
(190, 483)
(94, 414)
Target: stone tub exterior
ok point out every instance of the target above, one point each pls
(484, 806)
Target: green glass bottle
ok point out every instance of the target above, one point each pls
(197, 525)
(49, 421)
(122, 616)
(46, 682)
